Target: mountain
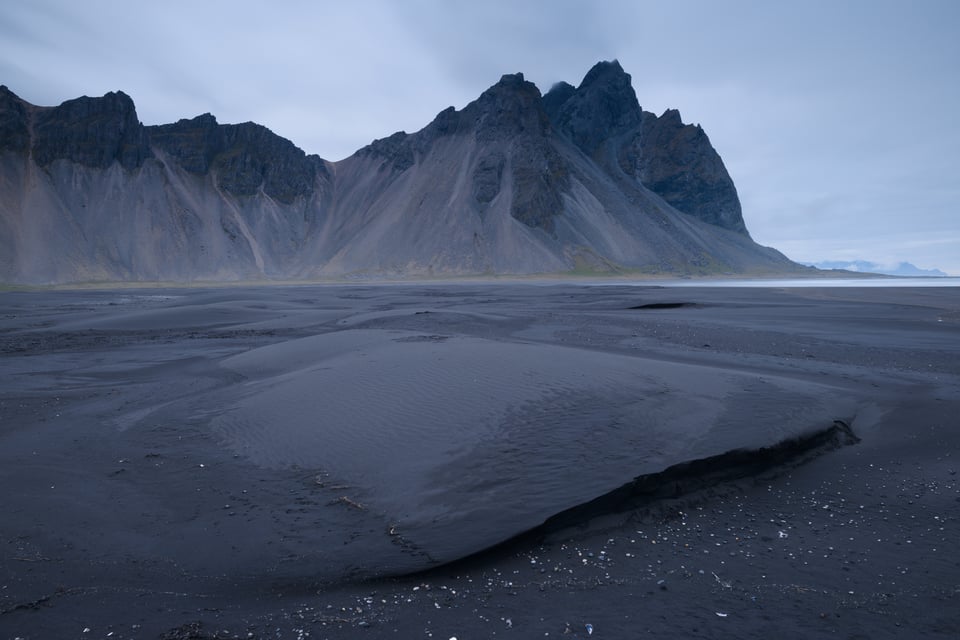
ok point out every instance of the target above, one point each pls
(863, 266)
(580, 180)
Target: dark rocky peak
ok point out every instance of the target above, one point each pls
(512, 114)
(606, 72)
(678, 162)
(447, 122)
(558, 94)
(254, 156)
(400, 150)
(397, 151)
(602, 107)
(95, 132)
(674, 160)
(671, 118)
(508, 109)
(14, 122)
(194, 143)
(512, 83)
(250, 136)
(244, 156)
(9, 97)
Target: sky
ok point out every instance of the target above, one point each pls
(837, 119)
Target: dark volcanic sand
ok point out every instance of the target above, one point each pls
(281, 462)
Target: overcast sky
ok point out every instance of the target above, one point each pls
(836, 119)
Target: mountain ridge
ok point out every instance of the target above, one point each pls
(516, 182)
(901, 269)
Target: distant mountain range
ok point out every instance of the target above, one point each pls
(863, 266)
(580, 180)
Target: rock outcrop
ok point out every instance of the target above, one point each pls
(677, 161)
(674, 160)
(603, 110)
(93, 132)
(510, 118)
(244, 157)
(578, 180)
(14, 122)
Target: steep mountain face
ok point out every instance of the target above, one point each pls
(94, 132)
(675, 161)
(14, 129)
(602, 112)
(244, 157)
(476, 191)
(580, 179)
(89, 194)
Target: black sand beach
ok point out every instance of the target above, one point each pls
(379, 462)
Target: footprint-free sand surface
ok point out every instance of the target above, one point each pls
(377, 461)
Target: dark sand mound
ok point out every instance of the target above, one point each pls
(463, 442)
(251, 460)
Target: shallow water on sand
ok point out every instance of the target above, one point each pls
(800, 283)
(462, 442)
(420, 424)
(239, 455)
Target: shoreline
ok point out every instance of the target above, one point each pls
(626, 279)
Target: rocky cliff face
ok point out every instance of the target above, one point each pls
(602, 110)
(244, 157)
(510, 119)
(676, 161)
(94, 132)
(580, 179)
(14, 122)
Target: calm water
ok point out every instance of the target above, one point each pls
(820, 282)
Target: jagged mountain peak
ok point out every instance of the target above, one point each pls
(511, 107)
(94, 132)
(116, 102)
(14, 128)
(602, 117)
(604, 106)
(678, 162)
(246, 157)
(512, 81)
(511, 90)
(559, 93)
(606, 72)
(204, 119)
(516, 182)
(672, 118)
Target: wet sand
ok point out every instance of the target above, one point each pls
(358, 461)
